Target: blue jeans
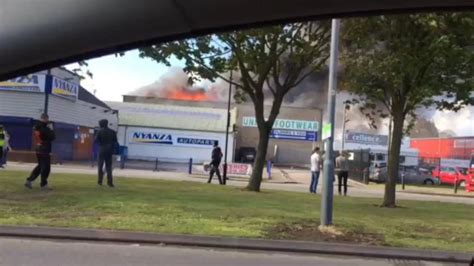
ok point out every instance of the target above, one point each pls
(314, 181)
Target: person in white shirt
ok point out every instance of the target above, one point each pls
(315, 169)
(6, 148)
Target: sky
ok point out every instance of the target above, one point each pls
(115, 76)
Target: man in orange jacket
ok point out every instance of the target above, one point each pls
(44, 136)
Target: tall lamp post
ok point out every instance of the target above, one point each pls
(224, 176)
(328, 171)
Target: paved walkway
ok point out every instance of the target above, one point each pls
(277, 183)
(20, 249)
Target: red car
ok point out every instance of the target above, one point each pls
(449, 175)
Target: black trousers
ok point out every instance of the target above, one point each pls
(105, 158)
(1, 156)
(215, 169)
(43, 168)
(342, 177)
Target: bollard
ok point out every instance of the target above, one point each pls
(122, 162)
(456, 185)
(190, 169)
(403, 181)
(156, 165)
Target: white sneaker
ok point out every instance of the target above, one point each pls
(46, 188)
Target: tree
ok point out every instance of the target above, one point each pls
(407, 62)
(269, 62)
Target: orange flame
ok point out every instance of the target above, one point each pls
(187, 95)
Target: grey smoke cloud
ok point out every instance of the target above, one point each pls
(312, 93)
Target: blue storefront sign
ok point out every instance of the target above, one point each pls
(294, 135)
(195, 141)
(289, 124)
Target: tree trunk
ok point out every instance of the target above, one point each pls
(260, 162)
(394, 160)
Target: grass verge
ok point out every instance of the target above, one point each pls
(202, 209)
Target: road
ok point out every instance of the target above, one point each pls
(25, 252)
(354, 191)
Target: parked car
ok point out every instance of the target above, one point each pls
(409, 175)
(449, 175)
(247, 154)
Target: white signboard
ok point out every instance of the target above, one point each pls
(29, 83)
(157, 137)
(455, 163)
(171, 145)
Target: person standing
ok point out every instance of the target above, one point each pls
(315, 170)
(2, 144)
(44, 136)
(215, 162)
(106, 138)
(342, 169)
(6, 148)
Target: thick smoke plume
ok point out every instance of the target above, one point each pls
(312, 93)
(174, 85)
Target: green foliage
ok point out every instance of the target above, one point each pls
(82, 70)
(407, 62)
(404, 61)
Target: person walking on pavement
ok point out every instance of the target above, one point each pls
(342, 170)
(106, 138)
(215, 162)
(315, 170)
(44, 136)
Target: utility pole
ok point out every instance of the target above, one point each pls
(328, 171)
(47, 90)
(224, 176)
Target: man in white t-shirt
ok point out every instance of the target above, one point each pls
(315, 170)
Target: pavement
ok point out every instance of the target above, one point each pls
(35, 246)
(25, 252)
(292, 180)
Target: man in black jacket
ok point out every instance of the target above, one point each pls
(107, 140)
(215, 162)
(44, 136)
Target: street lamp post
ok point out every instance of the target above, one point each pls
(328, 171)
(224, 176)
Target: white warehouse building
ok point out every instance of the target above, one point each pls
(172, 133)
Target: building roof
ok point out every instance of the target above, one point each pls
(172, 116)
(86, 96)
